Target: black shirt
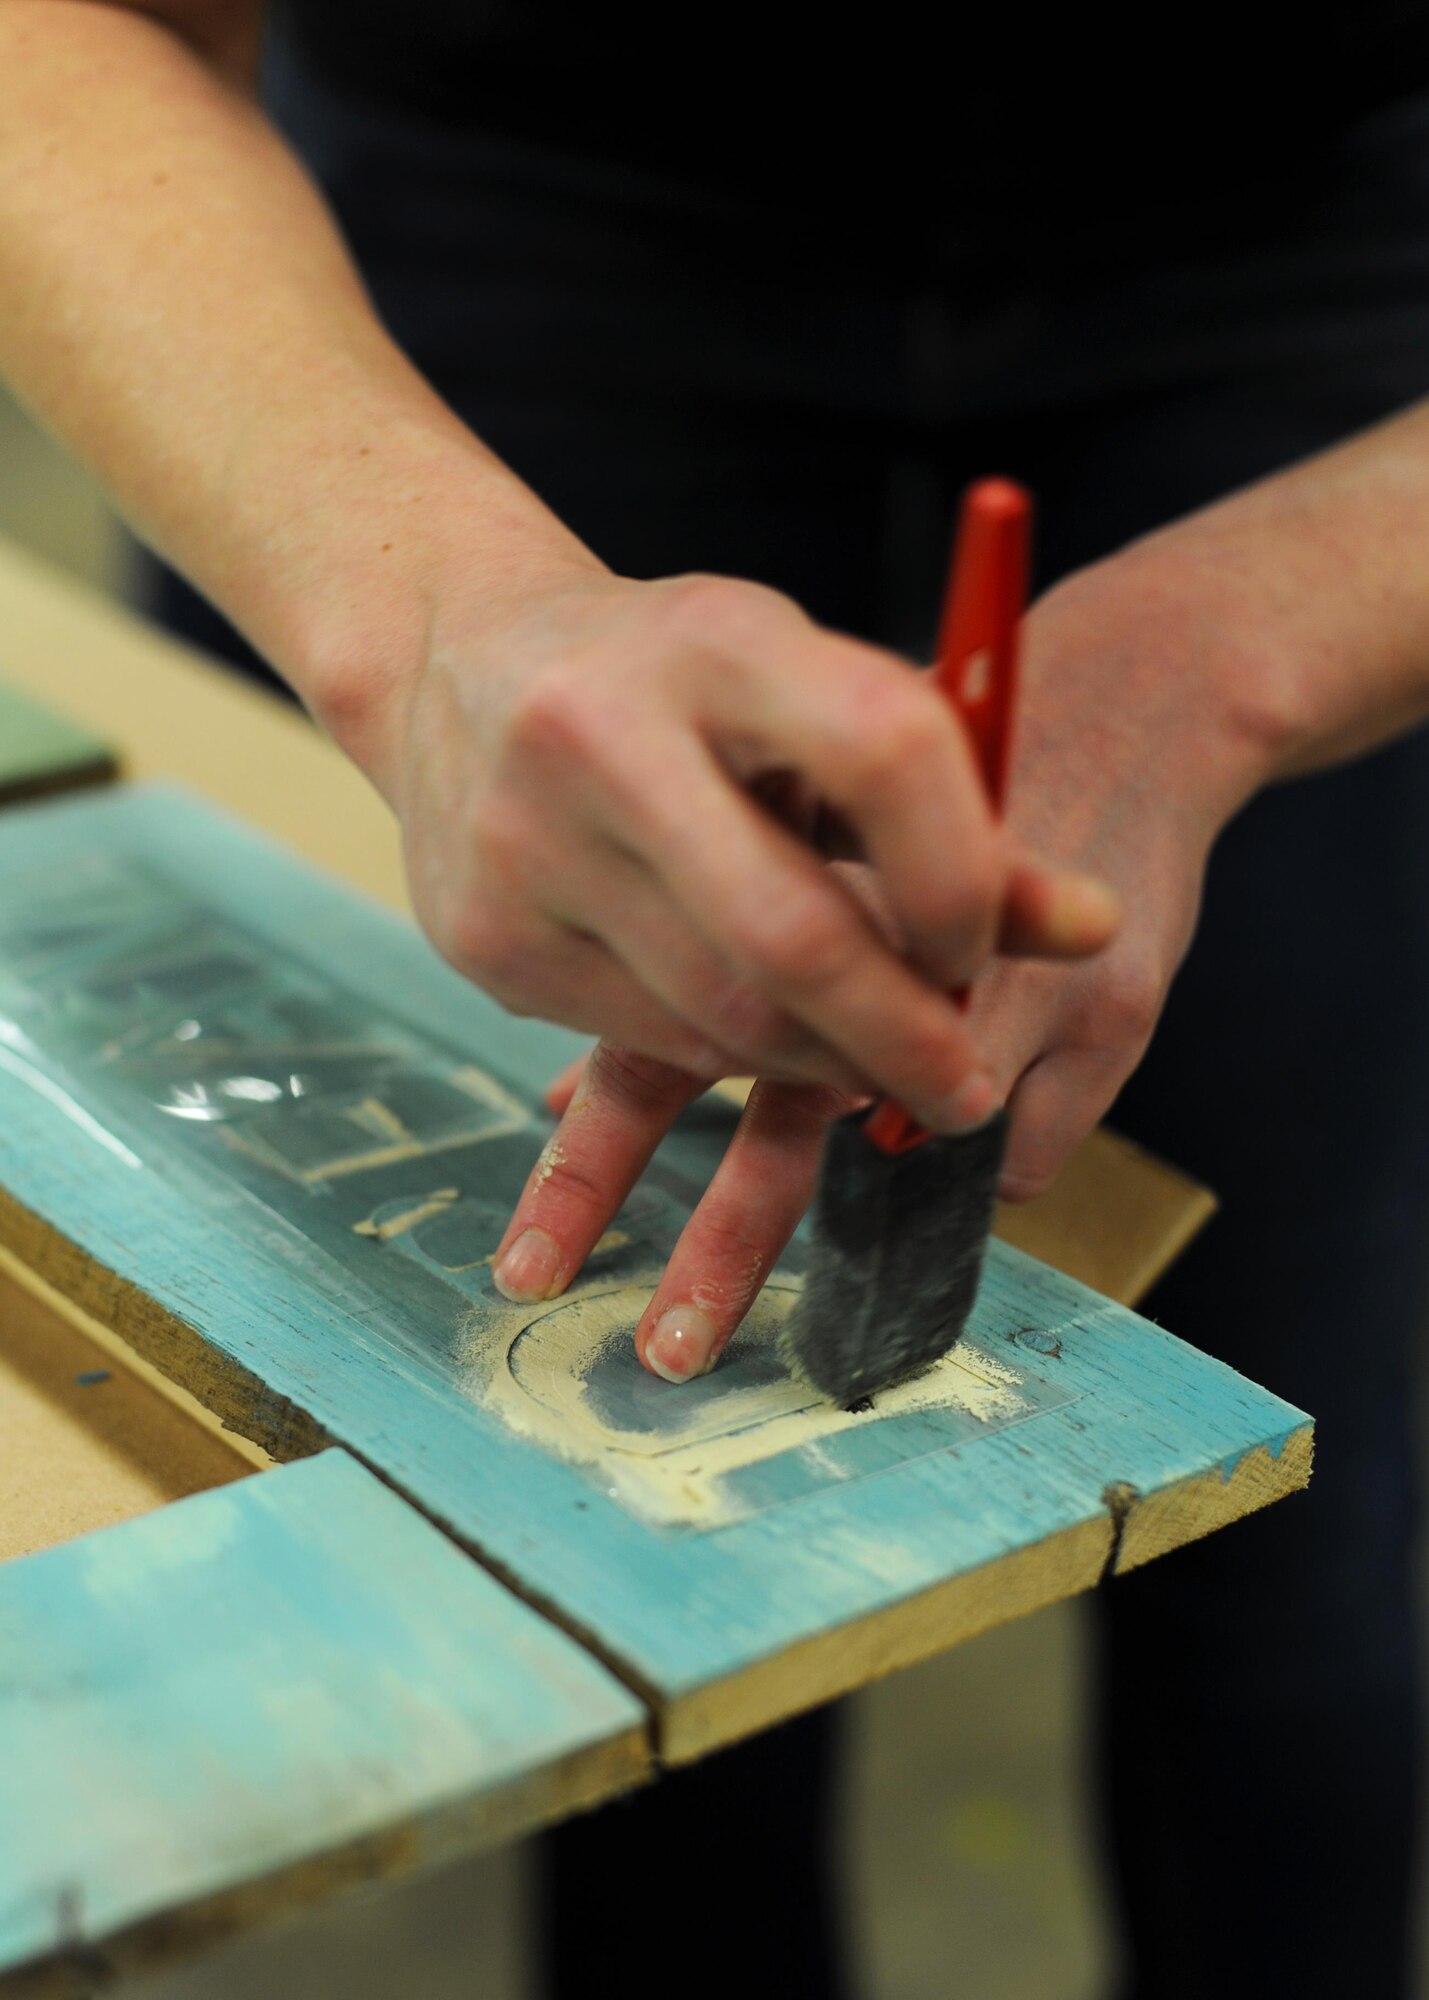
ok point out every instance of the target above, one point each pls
(992, 111)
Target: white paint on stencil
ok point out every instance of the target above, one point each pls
(423, 1207)
(679, 1479)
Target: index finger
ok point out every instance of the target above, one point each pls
(733, 1239)
(883, 746)
(787, 923)
(621, 1109)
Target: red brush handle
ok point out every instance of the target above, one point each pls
(977, 671)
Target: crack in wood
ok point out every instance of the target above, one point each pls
(1118, 1497)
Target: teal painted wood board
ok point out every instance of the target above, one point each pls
(42, 751)
(257, 1695)
(256, 1125)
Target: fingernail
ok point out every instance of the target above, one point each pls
(530, 1269)
(970, 1105)
(680, 1346)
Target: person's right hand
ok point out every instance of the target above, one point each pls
(583, 779)
(1138, 740)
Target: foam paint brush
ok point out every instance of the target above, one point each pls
(902, 1215)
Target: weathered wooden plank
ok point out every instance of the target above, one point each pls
(257, 1695)
(256, 1126)
(43, 752)
(1148, 1214)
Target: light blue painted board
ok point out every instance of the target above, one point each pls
(199, 1028)
(260, 1692)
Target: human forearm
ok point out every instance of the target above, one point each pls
(1300, 606)
(180, 309)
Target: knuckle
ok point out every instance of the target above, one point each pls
(706, 1060)
(1027, 1174)
(502, 842)
(475, 941)
(705, 611)
(734, 1257)
(636, 1081)
(964, 908)
(801, 1113)
(893, 729)
(933, 1062)
(982, 882)
(565, 1180)
(740, 1017)
(804, 945)
(1128, 1002)
(490, 951)
(1043, 1137)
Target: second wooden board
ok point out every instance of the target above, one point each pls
(257, 1696)
(255, 1125)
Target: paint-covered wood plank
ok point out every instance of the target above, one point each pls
(42, 751)
(257, 1695)
(255, 1124)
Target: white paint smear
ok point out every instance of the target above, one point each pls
(535, 1377)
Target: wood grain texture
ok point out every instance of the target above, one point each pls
(225, 1089)
(257, 1695)
(42, 752)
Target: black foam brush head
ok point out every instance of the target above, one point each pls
(896, 1252)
